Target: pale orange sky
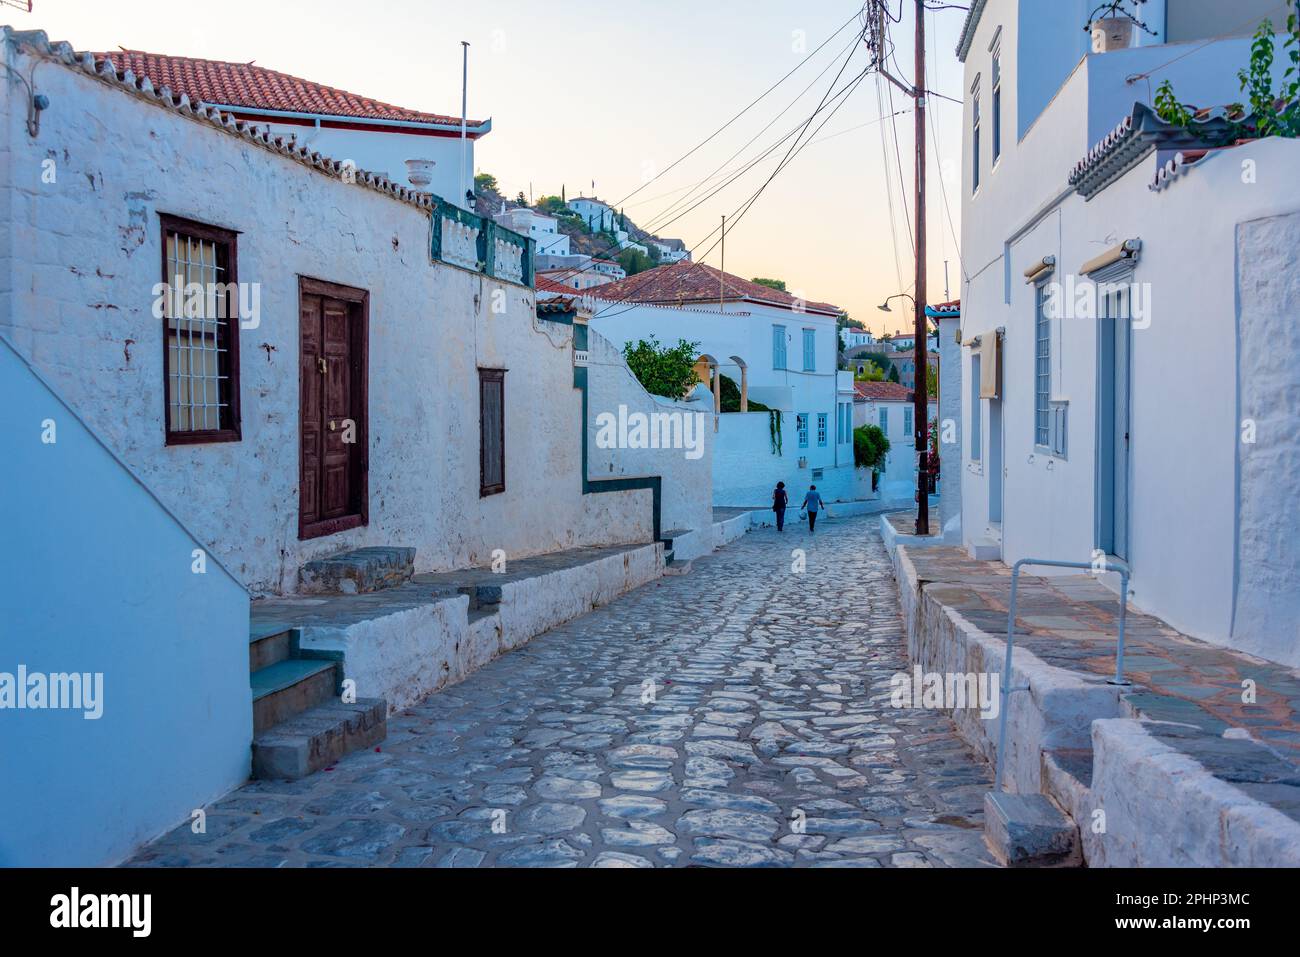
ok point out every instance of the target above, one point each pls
(613, 93)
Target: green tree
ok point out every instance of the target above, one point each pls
(869, 447)
(634, 261)
(893, 374)
(550, 204)
(777, 284)
(663, 370)
(485, 181)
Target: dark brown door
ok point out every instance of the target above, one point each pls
(333, 457)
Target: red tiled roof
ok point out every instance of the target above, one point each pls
(888, 391)
(685, 282)
(546, 284)
(223, 83)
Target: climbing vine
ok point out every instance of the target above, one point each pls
(774, 428)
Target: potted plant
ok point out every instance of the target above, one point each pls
(1111, 25)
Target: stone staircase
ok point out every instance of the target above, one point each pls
(301, 722)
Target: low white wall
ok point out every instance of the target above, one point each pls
(97, 577)
(746, 470)
(686, 489)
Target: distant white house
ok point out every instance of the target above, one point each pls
(598, 216)
(889, 405)
(1131, 347)
(363, 133)
(671, 250)
(543, 229)
(853, 337)
(579, 271)
(775, 348)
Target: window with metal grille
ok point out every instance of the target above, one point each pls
(801, 426)
(1042, 369)
(976, 418)
(200, 313)
(821, 430)
(492, 431)
(809, 350)
(778, 347)
(975, 136)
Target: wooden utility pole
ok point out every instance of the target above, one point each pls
(920, 351)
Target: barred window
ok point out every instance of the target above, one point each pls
(200, 311)
(1042, 369)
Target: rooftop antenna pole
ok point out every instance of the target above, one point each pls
(464, 113)
(722, 280)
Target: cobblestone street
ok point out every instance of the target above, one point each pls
(735, 715)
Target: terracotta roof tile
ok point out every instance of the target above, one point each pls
(685, 282)
(887, 391)
(222, 83)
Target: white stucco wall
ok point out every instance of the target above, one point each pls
(1268, 469)
(687, 473)
(1184, 425)
(97, 578)
(84, 256)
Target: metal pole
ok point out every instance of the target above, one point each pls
(462, 187)
(920, 353)
(722, 280)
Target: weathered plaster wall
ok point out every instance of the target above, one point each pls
(175, 707)
(78, 304)
(687, 486)
(950, 422)
(1268, 468)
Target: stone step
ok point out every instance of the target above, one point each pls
(290, 687)
(1028, 830)
(984, 550)
(319, 737)
(358, 571)
(269, 647)
(481, 596)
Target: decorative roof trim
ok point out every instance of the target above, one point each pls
(1135, 138)
(37, 43)
(969, 27)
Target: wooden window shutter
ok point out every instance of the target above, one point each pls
(492, 431)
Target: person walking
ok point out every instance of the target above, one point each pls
(813, 503)
(780, 500)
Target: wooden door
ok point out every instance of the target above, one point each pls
(333, 434)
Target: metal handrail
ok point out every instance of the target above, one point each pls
(1006, 689)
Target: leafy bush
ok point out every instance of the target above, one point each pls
(731, 398)
(485, 181)
(869, 447)
(663, 370)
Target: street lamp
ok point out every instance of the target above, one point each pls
(884, 306)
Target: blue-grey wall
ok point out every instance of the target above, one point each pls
(95, 576)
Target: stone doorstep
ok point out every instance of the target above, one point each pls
(358, 571)
(319, 737)
(1028, 830)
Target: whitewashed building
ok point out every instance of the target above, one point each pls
(890, 406)
(778, 350)
(361, 132)
(542, 229)
(224, 356)
(853, 337)
(1129, 370)
(598, 215)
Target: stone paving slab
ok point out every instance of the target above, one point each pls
(1190, 690)
(738, 715)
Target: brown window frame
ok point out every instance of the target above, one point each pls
(227, 240)
(484, 489)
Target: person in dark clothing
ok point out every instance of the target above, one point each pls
(813, 503)
(780, 500)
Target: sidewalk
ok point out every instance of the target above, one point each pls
(1187, 768)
